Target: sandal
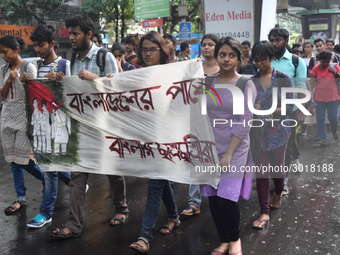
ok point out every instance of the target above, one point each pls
(192, 208)
(316, 138)
(260, 226)
(319, 144)
(8, 210)
(142, 248)
(121, 220)
(170, 227)
(336, 137)
(63, 235)
(276, 202)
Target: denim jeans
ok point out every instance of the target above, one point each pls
(157, 190)
(332, 111)
(19, 177)
(51, 190)
(195, 195)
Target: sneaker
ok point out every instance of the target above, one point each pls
(303, 133)
(39, 221)
(87, 188)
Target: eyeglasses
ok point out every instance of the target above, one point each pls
(210, 45)
(152, 50)
(261, 61)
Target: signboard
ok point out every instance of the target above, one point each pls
(233, 17)
(62, 31)
(148, 9)
(300, 39)
(318, 26)
(152, 23)
(185, 31)
(22, 31)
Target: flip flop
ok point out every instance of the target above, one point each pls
(63, 235)
(194, 211)
(336, 137)
(260, 222)
(320, 144)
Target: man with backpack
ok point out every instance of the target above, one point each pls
(296, 69)
(89, 65)
(53, 68)
(131, 56)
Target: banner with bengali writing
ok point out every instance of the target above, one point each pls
(144, 123)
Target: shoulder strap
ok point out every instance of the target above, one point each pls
(209, 79)
(295, 60)
(281, 76)
(130, 58)
(242, 82)
(62, 65)
(40, 62)
(23, 67)
(5, 69)
(101, 54)
(73, 57)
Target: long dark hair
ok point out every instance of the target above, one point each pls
(12, 42)
(156, 38)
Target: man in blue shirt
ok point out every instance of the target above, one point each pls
(283, 61)
(85, 66)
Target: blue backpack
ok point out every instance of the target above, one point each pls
(61, 65)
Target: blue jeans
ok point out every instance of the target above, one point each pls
(157, 190)
(19, 177)
(332, 112)
(195, 195)
(51, 190)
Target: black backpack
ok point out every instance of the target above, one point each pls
(129, 59)
(295, 60)
(101, 54)
(255, 133)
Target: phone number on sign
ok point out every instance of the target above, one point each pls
(245, 34)
(312, 168)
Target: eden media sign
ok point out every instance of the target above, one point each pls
(232, 17)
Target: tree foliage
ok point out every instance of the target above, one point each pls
(116, 12)
(14, 10)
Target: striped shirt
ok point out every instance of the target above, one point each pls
(53, 67)
(89, 63)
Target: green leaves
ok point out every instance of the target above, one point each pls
(14, 10)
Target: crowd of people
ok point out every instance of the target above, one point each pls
(271, 64)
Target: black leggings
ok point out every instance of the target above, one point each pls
(226, 215)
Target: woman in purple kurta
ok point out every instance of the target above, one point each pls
(232, 143)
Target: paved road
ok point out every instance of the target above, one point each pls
(307, 223)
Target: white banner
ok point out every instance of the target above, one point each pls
(145, 123)
(233, 17)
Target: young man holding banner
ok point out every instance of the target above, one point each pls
(53, 68)
(85, 66)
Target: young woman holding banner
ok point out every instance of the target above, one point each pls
(16, 145)
(232, 143)
(153, 51)
(275, 135)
